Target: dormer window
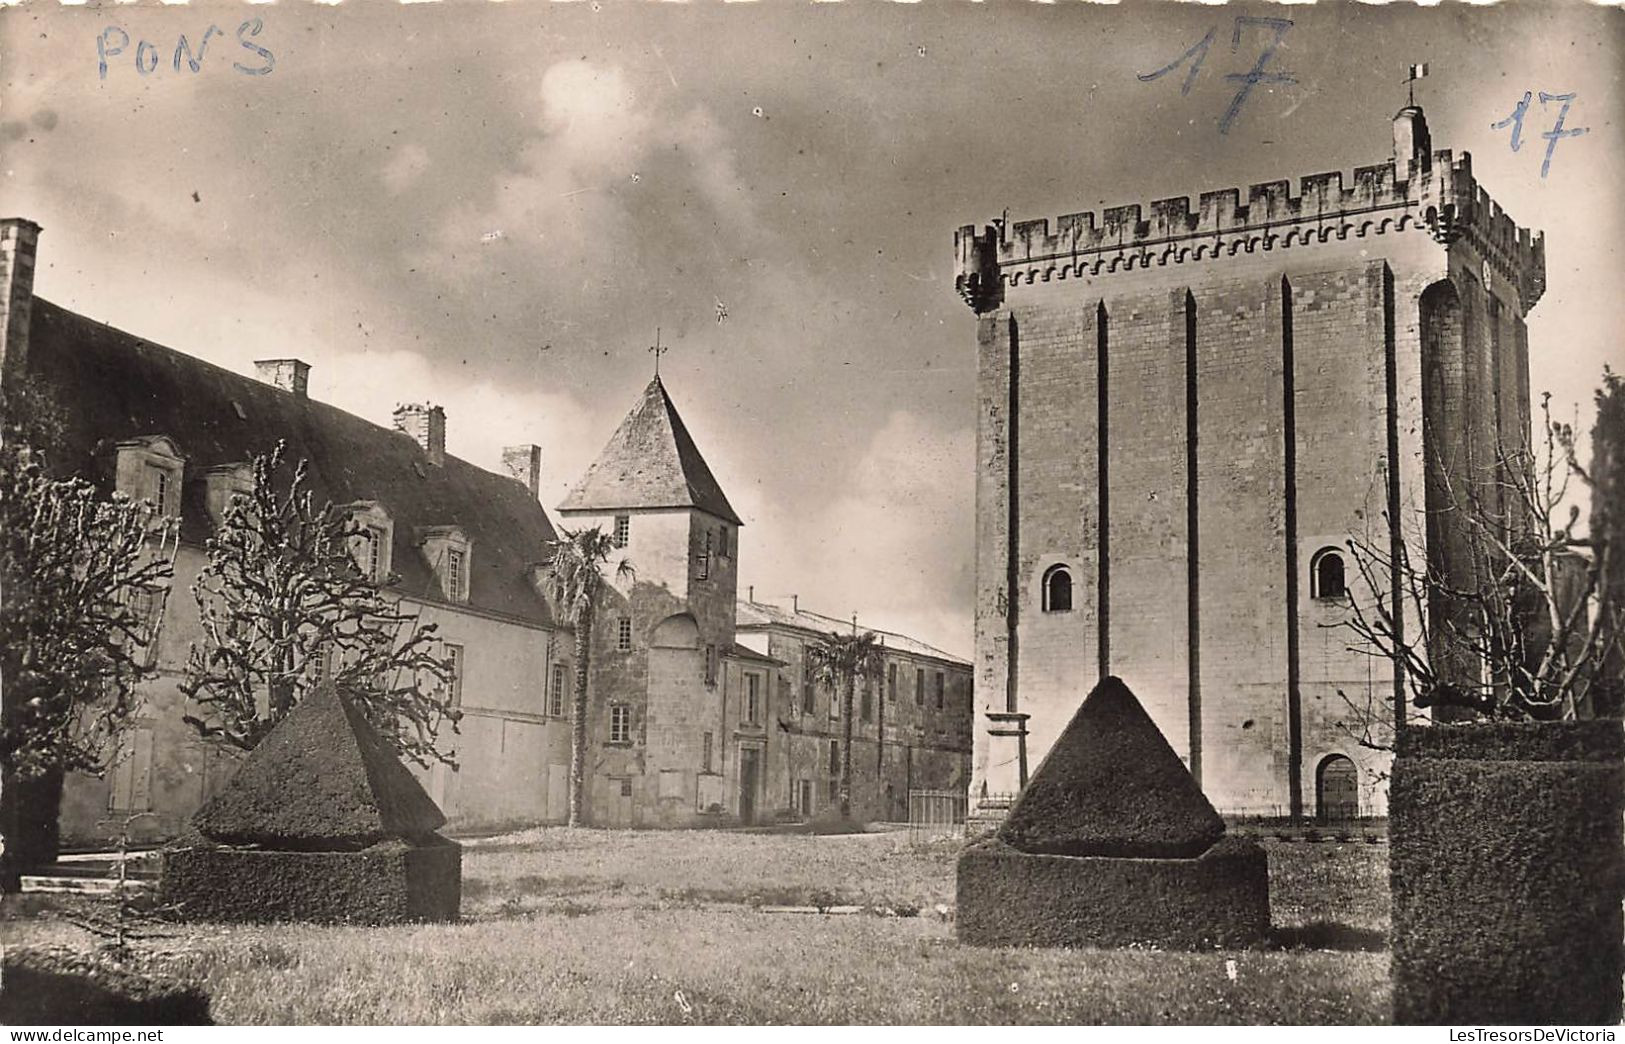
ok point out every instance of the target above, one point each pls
(371, 540)
(150, 469)
(223, 483)
(370, 553)
(160, 489)
(449, 553)
(454, 573)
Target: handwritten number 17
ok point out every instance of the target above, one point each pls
(1553, 136)
(1248, 80)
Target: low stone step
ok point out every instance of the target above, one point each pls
(81, 885)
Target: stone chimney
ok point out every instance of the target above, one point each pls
(525, 464)
(1413, 145)
(19, 239)
(426, 424)
(288, 374)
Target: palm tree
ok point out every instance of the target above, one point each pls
(837, 662)
(575, 579)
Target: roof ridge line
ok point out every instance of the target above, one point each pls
(196, 360)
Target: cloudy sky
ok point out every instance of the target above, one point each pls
(495, 206)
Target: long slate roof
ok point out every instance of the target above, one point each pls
(754, 616)
(114, 386)
(650, 462)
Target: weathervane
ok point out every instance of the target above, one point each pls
(658, 350)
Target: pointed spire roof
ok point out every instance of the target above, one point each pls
(650, 462)
(1112, 786)
(322, 779)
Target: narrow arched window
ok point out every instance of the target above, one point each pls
(1326, 574)
(1058, 590)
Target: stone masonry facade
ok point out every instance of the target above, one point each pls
(1181, 415)
(701, 709)
(911, 725)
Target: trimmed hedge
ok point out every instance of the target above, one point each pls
(43, 987)
(321, 779)
(1507, 867)
(1515, 741)
(1011, 898)
(1112, 786)
(386, 883)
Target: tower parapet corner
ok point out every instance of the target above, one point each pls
(976, 256)
(1432, 192)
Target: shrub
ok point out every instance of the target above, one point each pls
(1507, 873)
(1011, 898)
(1112, 786)
(45, 986)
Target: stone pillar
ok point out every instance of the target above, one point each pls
(1004, 772)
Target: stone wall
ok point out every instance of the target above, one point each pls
(505, 747)
(905, 743)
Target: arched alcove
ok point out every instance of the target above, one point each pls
(676, 632)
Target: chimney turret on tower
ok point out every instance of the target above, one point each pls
(19, 239)
(426, 424)
(1413, 145)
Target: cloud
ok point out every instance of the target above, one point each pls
(589, 115)
(405, 167)
(617, 196)
(895, 545)
(481, 417)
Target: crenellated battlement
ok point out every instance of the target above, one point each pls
(1442, 200)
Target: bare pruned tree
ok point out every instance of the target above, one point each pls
(1505, 614)
(284, 604)
(80, 579)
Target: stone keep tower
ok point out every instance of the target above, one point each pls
(660, 636)
(1184, 415)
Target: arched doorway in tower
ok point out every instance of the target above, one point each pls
(1337, 790)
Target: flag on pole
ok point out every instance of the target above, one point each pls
(1416, 73)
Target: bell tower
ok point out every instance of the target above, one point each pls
(662, 631)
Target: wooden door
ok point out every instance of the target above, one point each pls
(1338, 790)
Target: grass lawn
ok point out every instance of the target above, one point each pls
(578, 926)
